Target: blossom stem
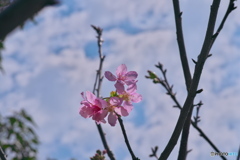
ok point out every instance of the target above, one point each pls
(126, 138)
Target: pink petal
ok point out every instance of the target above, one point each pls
(119, 87)
(112, 119)
(124, 112)
(121, 70)
(136, 97)
(131, 75)
(85, 103)
(83, 96)
(115, 101)
(118, 110)
(85, 112)
(110, 76)
(99, 116)
(132, 86)
(104, 104)
(128, 106)
(90, 97)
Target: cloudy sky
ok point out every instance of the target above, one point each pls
(49, 63)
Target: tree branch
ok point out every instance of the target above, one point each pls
(194, 85)
(97, 87)
(230, 8)
(17, 13)
(165, 83)
(181, 45)
(2, 155)
(126, 139)
(187, 77)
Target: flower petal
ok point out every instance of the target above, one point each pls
(136, 97)
(110, 76)
(112, 119)
(90, 97)
(121, 70)
(131, 75)
(115, 101)
(99, 116)
(132, 86)
(128, 106)
(119, 87)
(124, 112)
(85, 111)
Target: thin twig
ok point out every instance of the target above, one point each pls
(2, 155)
(97, 88)
(126, 138)
(154, 152)
(197, 117)
(202, 134)
(230, 8)
(156, 79)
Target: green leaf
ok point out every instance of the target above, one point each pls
(19, 138)
(35, 141)
(151, 75)
(1, 45)
(12, 121)
(27, 117)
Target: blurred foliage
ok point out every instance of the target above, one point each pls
(1, 47)
(4, 4)
(17, 136)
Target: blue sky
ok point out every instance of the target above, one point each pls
(50, 63)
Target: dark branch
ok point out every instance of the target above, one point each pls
(154, 152)
(155, 78)
(97, 87)
(187, 77)
(230, 8)
(194, 85)
(17, 13)
(126, 139)
(181, 44)
(2, 155)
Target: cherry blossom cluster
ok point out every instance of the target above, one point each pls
(119, 103)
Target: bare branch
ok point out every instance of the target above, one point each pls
(126, 139)
(181, 44)
(97, 88)
(231, 7)
(187, 76)
(153, 76)
(194, 85)
(154, 152)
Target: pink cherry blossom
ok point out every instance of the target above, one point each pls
(120, 101)
(113, 109)
(123, 76)
(129, 96)
(94, 107)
